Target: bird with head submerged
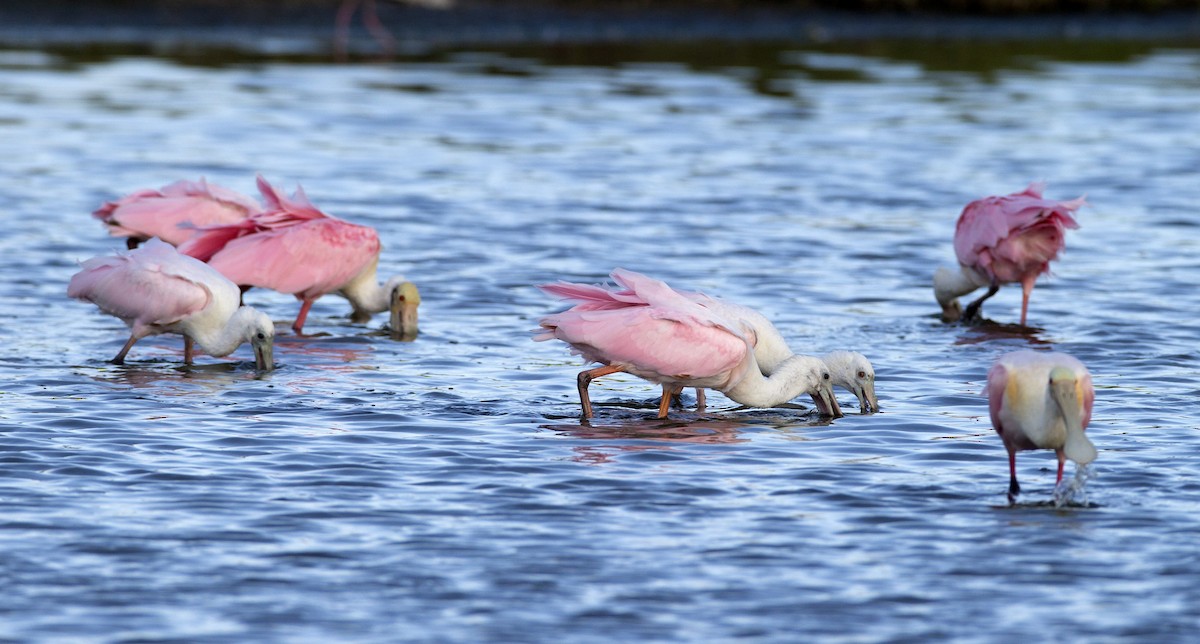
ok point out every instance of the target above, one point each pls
(292, 247)
(1003, 240)
(848, 369)
(652, 331)
(154, 289)
(174, 212)
(1041, 400)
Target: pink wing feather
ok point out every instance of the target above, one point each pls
(997, 383)
(1009, 237)
(173, 213)
(146, 287)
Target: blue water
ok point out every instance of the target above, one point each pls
(445, 490)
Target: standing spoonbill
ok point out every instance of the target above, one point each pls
(174, 212)
(155, 289)
(1041, 400)
(657, 333)
(849, 370)
(295, 248)
(1002, 240)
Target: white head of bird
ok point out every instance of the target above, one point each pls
(397, 296)
(852, 371)
(950, 284)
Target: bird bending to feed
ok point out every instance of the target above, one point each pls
(1002, 240)
(657, 333)
(155, 289)
(295, 248)
(1041, 400)
(848, 369)
(174, 212)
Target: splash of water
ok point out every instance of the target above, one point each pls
(1074, 491)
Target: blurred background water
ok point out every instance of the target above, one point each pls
(445, 489)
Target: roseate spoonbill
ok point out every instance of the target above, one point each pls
(174, 212)
(1041, 400)
(155, 289)
(654, 332)
(295, 248)
(1001, 240)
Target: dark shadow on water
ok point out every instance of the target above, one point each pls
(988, 331)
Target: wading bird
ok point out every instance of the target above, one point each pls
(295, 248)
(848, 369)
(1003, 240)
(174, 212)
(654, 332)
(155, 289)
(1041, 400)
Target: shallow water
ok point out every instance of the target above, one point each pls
(445, 489)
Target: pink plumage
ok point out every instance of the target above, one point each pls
(1006, 239)
(174, 212)
(649, 330)
(155, 289)
(292, 248)
(678, 339)
(1012, 237)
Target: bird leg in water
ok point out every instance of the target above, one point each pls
(971, 313)
(700, 400)
(120, 359)
(669, 392)
(1014, 488)
(188, 349)
(585, 378)
(298, 325)
(1062, 460)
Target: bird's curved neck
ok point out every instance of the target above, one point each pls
(949, 284)
(223, 340)
(365, 292)
(790, 378)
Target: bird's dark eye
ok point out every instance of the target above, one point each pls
(862, 374)
(825, 376)
(262, 336)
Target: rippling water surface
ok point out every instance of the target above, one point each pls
(445, 489)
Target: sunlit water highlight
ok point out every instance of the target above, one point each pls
(445, 490)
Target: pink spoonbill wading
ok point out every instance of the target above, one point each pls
(1041, 400)
(154, 289)
(652, 331)
(1003, 240)
(848, 369)
(174, 212)
(295, 248)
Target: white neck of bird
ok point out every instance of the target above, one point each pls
(794, 376)
(949, 284)
(224, 340)
(366, 294)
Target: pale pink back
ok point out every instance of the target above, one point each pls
(292, 247)
(1013, 237)
(153, 285)
(650, 330)
(173, 213)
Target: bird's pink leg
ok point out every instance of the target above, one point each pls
(1062, 460)
(298, 325)
(341, 30)
(387, 42)
(669, 391)
(120, 359)
(1026, 289)
(188, 349)
(585, 378)
(700, 401)
(1013, 487)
